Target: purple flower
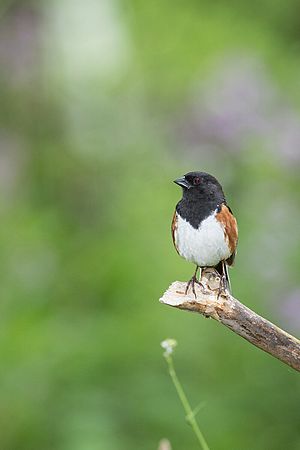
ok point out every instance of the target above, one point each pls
(290, 308)
(240, 104)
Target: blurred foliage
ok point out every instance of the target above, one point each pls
(103, 104)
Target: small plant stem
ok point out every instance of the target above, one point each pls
(190, 415)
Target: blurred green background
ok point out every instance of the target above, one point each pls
(103, 104)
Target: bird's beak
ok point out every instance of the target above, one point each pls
(182, 182)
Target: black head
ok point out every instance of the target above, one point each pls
(202, 194)
(199, 184)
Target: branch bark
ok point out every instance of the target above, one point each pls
(235, 316)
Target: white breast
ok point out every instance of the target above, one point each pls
(205, 246)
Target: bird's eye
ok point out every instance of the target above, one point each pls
(196, 181)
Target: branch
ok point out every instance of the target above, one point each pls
(235, 316)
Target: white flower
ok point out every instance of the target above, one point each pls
(168, 345)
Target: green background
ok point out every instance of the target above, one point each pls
(103, 104)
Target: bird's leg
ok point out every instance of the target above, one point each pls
(198, 281)
(223, 281)
(192, 282)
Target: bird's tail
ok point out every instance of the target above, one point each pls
(222, 269)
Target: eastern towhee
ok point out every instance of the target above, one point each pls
(204, 230)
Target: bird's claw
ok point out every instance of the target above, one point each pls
(192, 283)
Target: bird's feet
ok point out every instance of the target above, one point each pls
(223, 286)
(191, 283)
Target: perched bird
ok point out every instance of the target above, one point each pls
(204, 230)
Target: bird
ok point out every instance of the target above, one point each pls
(204, 229)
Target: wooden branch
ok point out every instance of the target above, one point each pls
(235, 316)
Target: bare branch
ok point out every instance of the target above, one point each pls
(235, 316)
